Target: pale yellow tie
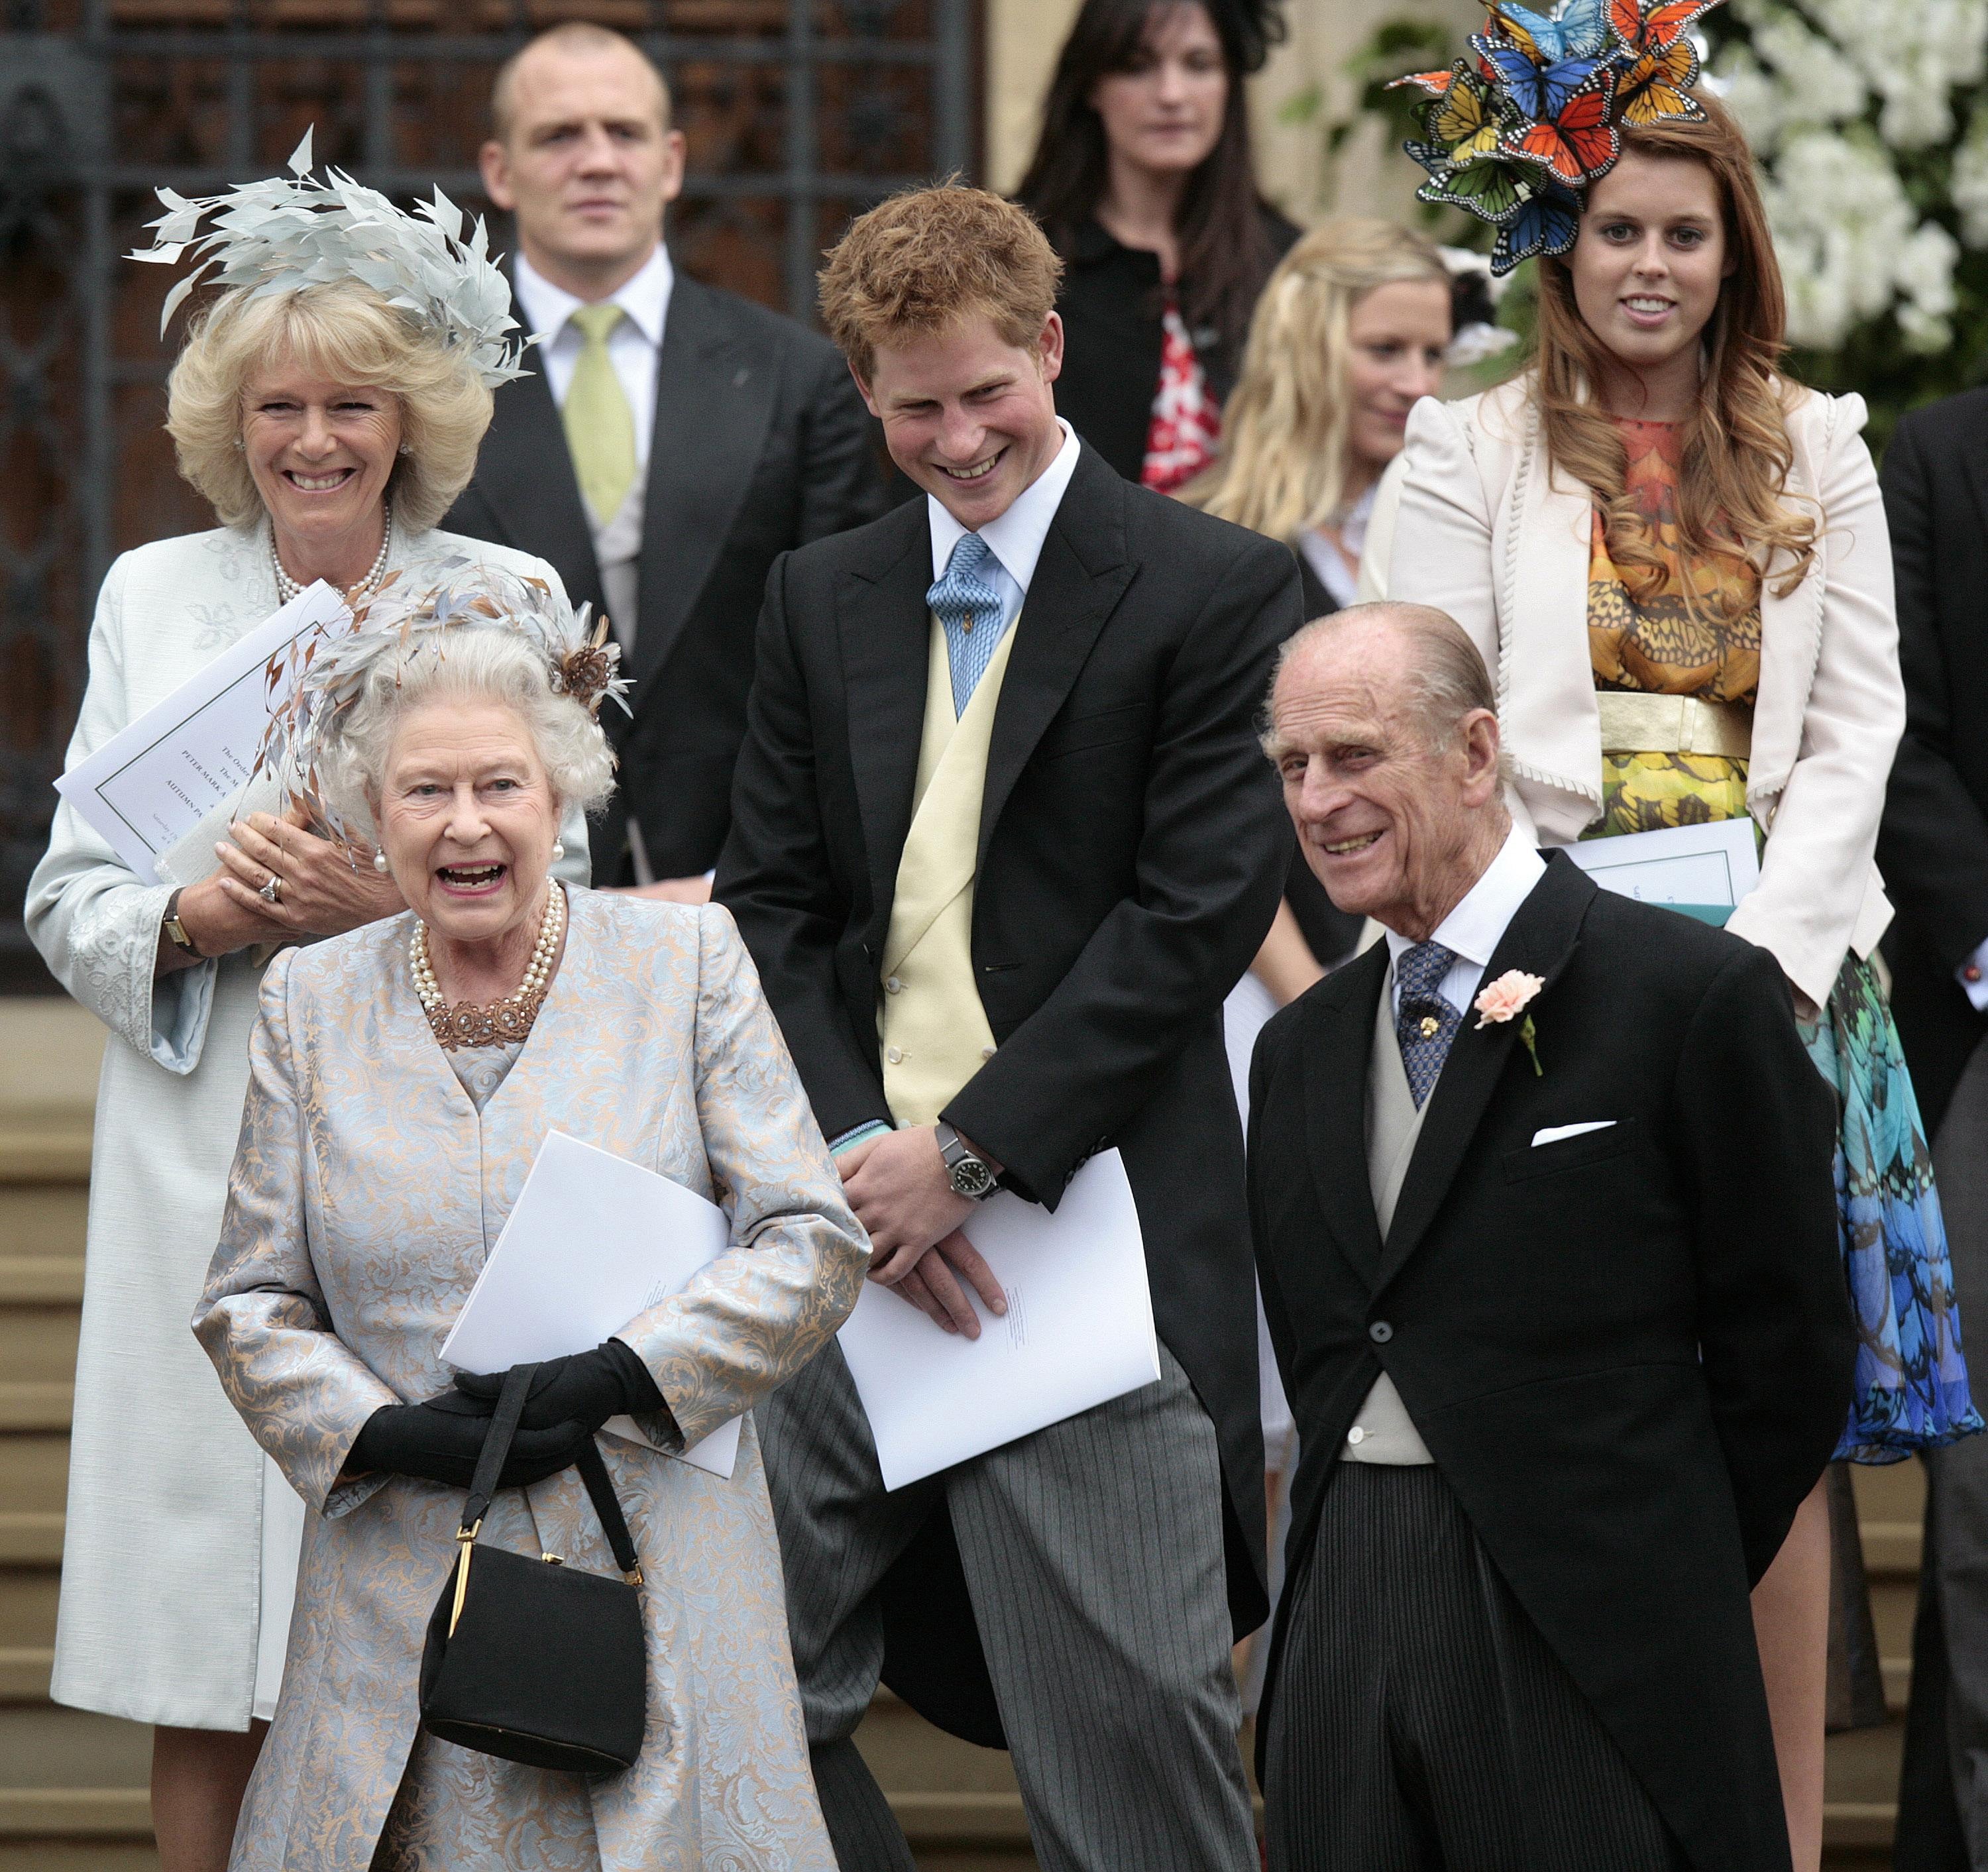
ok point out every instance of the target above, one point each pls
(600, 427)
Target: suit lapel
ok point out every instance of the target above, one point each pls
(526, 473)
(1540, 940)
(1079, 578)
(885, 632)
(1338, 1044)
(715, 392)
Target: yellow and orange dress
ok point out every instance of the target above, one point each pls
(1692, 629)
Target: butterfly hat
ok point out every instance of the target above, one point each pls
(1516, 134)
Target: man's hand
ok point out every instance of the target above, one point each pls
(897, 1185)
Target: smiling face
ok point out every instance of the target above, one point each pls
(466, 819)
(587, 163)
(1163, 113)
(968, 416)
(1394, 828)
(1649, 260)
(1397, 335)
(320, 453)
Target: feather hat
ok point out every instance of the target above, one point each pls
(1517, 133)
(287, 232)
(312, 685)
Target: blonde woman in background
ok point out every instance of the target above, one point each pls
(1352, 327)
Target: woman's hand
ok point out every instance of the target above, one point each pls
(217, 926)
(325, 890)
(440, 1439)
(583, 1387)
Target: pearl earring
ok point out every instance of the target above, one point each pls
(406, 448)
(559, 850)
(380, 862)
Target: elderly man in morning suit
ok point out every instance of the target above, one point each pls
(1555, 1294)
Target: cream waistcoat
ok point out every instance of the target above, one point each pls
(1393, 1125)
(930, 1024)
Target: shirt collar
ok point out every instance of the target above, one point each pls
(1016, 538)
(645, 298)
(1477, 926)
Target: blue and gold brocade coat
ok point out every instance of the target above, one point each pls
(366, 1193)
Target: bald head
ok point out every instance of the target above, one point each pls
(583, 155)
(1384, 734)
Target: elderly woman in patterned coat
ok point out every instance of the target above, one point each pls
(402, 1078)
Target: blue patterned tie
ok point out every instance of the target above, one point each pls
(1426, 1023)
(970, 610)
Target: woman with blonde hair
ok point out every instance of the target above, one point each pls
(330, 426)
(1674, 558)
(1351, 332)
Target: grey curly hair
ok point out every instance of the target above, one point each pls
(464, 666)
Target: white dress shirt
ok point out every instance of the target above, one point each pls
(633, 346)
(1016, 538)
(1473, 930)
(1383, 1431)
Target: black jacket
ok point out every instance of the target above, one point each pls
(1933, 843)
(1132, 846)
(1629, 1352)
(761, 444)
(1111, 304)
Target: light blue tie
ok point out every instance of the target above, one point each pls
(969, 609)
(1427, 1023)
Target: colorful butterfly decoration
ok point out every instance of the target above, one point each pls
(1574, 29)
(1517, 135)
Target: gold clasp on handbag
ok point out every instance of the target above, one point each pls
(466, 1539)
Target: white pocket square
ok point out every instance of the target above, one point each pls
(1554, 1133)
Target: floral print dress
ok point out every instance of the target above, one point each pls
(1695, 631)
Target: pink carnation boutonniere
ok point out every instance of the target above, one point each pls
(1506, 998)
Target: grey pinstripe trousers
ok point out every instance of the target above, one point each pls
(1093, 1553)
(1419, 1721)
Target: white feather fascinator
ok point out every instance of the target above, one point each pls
(313, 685)
(289, 232)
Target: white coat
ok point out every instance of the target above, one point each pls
(161, 1589)
(1485, 531)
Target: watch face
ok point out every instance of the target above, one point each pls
(972, 1178)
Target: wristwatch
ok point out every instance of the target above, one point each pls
(969, 1177)
(175, 930)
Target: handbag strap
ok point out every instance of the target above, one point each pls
(497, 1445)
(594, 1472)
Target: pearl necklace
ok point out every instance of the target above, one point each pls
(288, 589)
(511, 1018)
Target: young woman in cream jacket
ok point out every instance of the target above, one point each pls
(1675, 561)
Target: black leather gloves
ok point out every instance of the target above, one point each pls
(440, 1439)
(586, 1388)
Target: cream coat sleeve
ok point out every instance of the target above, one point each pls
(1375, 554)
(96, 925)
(764, 1308)
(1440, 542)
(1823, 833)
(262, 1319)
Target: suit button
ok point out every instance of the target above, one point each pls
(893, 986)
(895, 1056)
(1380, 1331)
(1356, 1434)
(987, 1053)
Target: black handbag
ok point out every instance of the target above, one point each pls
(535, 1660)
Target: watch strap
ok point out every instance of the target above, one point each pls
(175, 930)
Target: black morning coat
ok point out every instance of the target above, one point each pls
(1629, 1352)
(1132, 846)
(1932, 843)
(761, 443)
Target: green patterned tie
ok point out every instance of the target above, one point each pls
(600, 428)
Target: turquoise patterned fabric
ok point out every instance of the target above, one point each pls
(1911, 1379)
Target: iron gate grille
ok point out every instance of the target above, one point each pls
(798, 113)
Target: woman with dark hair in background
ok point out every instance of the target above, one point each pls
(1144, 180)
